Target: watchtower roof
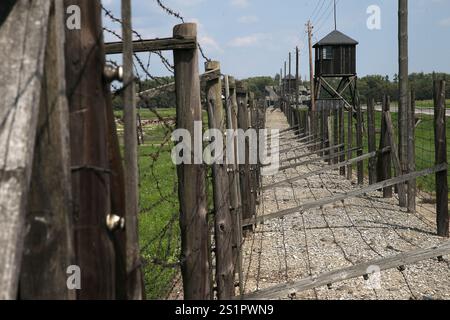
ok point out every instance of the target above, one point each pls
(336, 38)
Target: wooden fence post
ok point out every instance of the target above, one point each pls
(235, 186)
(359, 142)
(441, 157)
(371, 136)
(412, 184)
(135, 277)
(243, 123)
(350, 143)
(193, 206)
(85, 59)
(223, 229)
(336, 129)
(19, 109)
(384, 171)
(49, 216)
(342, 135)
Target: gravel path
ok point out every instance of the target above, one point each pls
(338, 236)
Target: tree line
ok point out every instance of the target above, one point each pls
(374, 86)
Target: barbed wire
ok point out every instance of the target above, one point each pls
(180, 17)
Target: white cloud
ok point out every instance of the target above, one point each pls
(209, 43)
(445, 22)
(240, 3)
(248, 41)
(248, 19)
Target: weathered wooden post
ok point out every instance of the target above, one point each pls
(193, 207)
(223, 226)
(384, 171)
(371, 137)
(135, 290)
(342, 136)
(85, 60)
(49, 237)
(412, 184)
(403, 86)
(336, 130)
(19, 111)
(236, 202)
(245, 177)
(359, 142)
(441, 157)
(350, 143)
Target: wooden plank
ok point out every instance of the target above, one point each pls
(223, 221)
(371, 138)
(49, 232)
(346, 195)
(441, 157)
(359, 270)
(23, 36)
(325, 169)
(153, 45)
(193, 205)
(396, 160)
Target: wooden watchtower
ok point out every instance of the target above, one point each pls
(335, 68)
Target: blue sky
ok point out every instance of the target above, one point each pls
(253, 37)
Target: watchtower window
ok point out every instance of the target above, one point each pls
(327, 53)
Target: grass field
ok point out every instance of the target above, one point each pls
(424, 140)
(424, 104)
(159, 207)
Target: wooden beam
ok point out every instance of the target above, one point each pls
(359, 270)
(153, 45)
(346, 195)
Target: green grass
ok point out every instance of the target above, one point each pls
(424, 104)
(159, 229)
(147, 114)
(424, 140)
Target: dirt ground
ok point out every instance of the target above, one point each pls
(339, 235)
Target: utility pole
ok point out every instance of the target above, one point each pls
(311, 77)
(403, 87)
